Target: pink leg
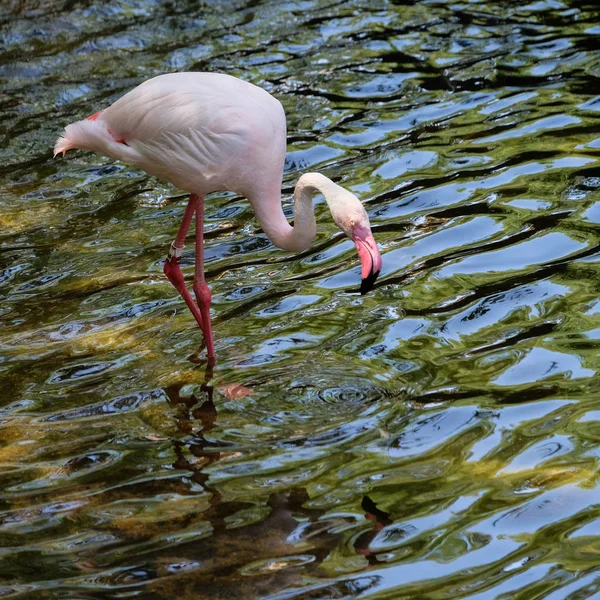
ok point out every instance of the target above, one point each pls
(172, 269)
(200, 288)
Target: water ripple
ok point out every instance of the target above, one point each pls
(438, 437)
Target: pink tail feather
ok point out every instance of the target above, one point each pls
(92, 134)
(64, 143)
(85, 135)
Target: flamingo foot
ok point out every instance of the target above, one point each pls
(173, 272)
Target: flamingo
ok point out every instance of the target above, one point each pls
(208, 132)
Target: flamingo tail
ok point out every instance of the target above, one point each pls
(93, 134)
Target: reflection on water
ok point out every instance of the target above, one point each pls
(438, 437)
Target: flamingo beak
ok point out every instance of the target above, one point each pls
(370, 258)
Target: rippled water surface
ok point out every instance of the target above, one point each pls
(436, 438)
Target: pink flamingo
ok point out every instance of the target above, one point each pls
(208, 132)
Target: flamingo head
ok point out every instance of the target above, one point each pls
(351, 217)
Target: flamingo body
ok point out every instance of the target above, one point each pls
(203, 132)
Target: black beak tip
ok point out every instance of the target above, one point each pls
(368, 282)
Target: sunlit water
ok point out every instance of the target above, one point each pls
(436, 438)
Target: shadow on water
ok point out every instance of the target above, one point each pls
(436, 438)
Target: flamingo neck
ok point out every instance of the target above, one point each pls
(269, 213)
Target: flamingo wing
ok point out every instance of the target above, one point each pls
(198, 130)
(202, 131)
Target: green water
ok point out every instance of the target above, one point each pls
(436, 438)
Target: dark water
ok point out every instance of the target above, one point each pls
(437, 438)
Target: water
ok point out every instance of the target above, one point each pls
(436, 438)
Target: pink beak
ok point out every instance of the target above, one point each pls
(370, 258)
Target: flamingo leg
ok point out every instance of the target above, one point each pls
(172, 269)
(201, 289)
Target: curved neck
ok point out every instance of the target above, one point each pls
(269, 212)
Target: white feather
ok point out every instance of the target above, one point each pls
(200, 131)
